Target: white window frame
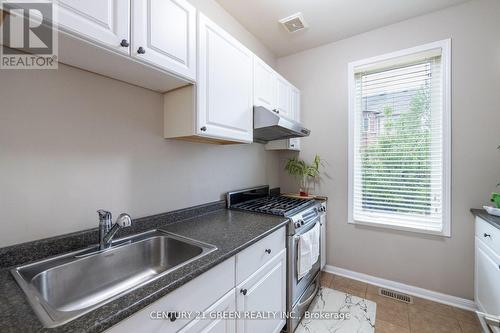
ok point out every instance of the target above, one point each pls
(445, 46)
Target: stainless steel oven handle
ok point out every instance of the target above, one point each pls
(310, 298)
(296, 237)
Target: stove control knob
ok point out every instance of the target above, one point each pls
(297, 225)
(301, 222)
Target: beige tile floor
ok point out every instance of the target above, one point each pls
(393, 316)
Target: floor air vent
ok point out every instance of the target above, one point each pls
(395, 295)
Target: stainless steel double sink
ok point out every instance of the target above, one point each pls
(65, 287)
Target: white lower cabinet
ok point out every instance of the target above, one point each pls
(196, 295)
(216, 295)
(488, 277)
(213, 322)
(263, 292)
(487, 270)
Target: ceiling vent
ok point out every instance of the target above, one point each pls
(294, 23)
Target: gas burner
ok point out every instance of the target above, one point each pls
(275, 205)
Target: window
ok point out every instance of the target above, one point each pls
(399, 140)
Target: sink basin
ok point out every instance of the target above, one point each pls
(65, 287)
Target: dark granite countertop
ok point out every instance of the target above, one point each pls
(491, 219)
(230, 231)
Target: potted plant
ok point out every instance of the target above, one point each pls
(304, 172)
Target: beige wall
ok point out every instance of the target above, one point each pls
(72, 142)
(435, 263)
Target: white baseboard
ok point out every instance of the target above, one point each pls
(435, 296)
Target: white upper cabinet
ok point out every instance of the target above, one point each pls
(225, 85)
(164, 34)
(264, 85)
(294, 144)
(290, 109)
(283, 99)
(295, 103)
(102, 21)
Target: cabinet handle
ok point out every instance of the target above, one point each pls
(124, 43)
(172, 316)
(487, 235)
(243, 291)
(141, 50)
(268, 251)
(277, 111)
(203, 129)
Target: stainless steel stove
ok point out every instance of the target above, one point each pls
(303, 215)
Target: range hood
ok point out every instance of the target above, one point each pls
(269, 125)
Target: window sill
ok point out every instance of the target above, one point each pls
(444, 232)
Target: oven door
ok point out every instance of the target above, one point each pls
(297, 287)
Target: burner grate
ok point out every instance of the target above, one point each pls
(276, 205)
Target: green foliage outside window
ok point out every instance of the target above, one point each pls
(399, 157)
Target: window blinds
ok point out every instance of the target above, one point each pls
(397, 175)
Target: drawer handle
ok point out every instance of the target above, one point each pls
(487, 235)
(172, 316)
(141, 50)
(268, 251)
(243, 291)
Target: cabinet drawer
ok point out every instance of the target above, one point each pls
(251, 259)
(193, 296)
(488, 234)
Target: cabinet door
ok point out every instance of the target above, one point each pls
(295, 103)
(225, 81)
(487, 276)
(166, 32)
(283, 99)
(264, 291)
(226, 304)
(193, 296)
(264, 85)
(102, 21)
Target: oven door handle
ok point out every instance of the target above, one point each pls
(296, 237)
(310, 298)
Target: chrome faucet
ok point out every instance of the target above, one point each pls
(107, 229)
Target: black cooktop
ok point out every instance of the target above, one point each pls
(276, 205)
